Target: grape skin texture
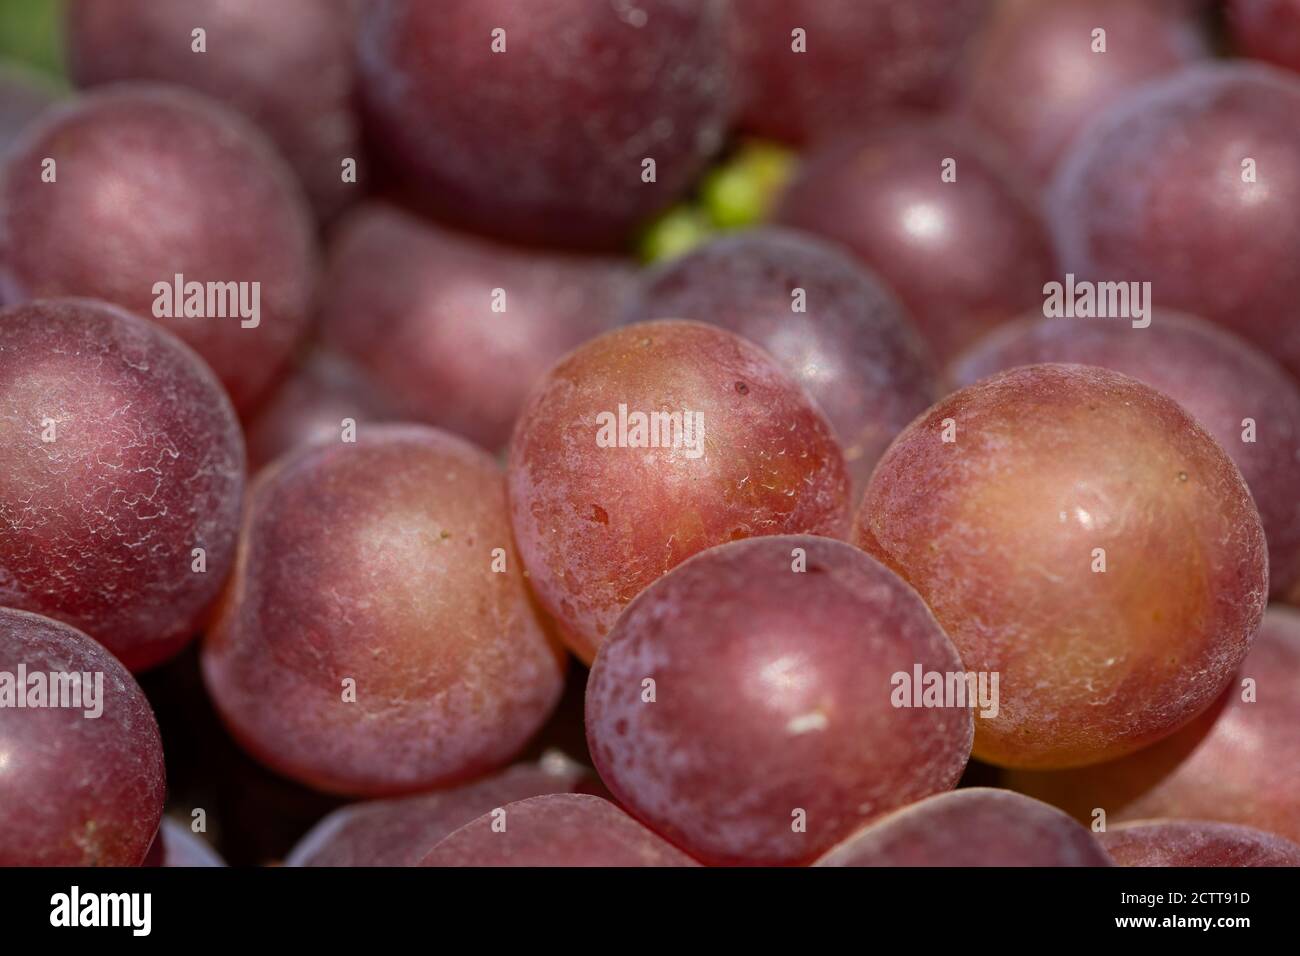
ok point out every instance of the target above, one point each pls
(286, 64)
(853, 348)
(1238, 762)
(998, 531)
(595, 525)
(977, 826)
(1196, 843)
(566, 829)
(1047, 48)
(161, 181)
(880, 194)
(1156, 192)
(1219, 378)
(310, 406)
(75, 791)
(861, 58)
(98, 526)
(546, 141)
(413, 304)
(373, 561)
(400, 832)
(773, 694)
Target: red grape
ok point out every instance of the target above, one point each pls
(460, 328)
(973, 827)
(1197, 843)
(1266, 30)
(565, 829)
(400, 832)
(858, 57)
(366, 645)
(155, 182)
(963, 255)
(79, 785)
(119, 457)
(1193, 185)
(1219, 378)
(1237, 763)
(534, 121)
(745, 706)
(597, 516)
(287, 65)
(1037, 76)
(311, 406)
(846, 339)
(1082, 536)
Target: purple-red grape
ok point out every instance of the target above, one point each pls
(313, 404)
(963, 255)
(120, 458)
(851, 60)
(536, 121)
(459, 328)
(603, 502)
(1266, 30)
(152, 183)
(1080, 534)
(287, 65)
(834, 326)
(81, 783)
(400, 832)
(1193, 185)
(567, 829)
(1237, 763)
(1247, 402)
(1197, 843)
(378, 637)
(1037, 75)
(972, 827)
(747, 704)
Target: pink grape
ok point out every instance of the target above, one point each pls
(400, 832)
(1222, 380)
(1081, 535)
(367, 645)
(1192, 185)
(859, 58)
(153, 182)
(75, 790)
(745, 705)
(534, 122)
(1037, 75)
(598, 516)
(565, 829)
(1266, 30)
(963, 256)
(121, 477)
(973, 827)
(286, 64)
(1196, 843)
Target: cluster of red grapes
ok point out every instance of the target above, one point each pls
(323, 337)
